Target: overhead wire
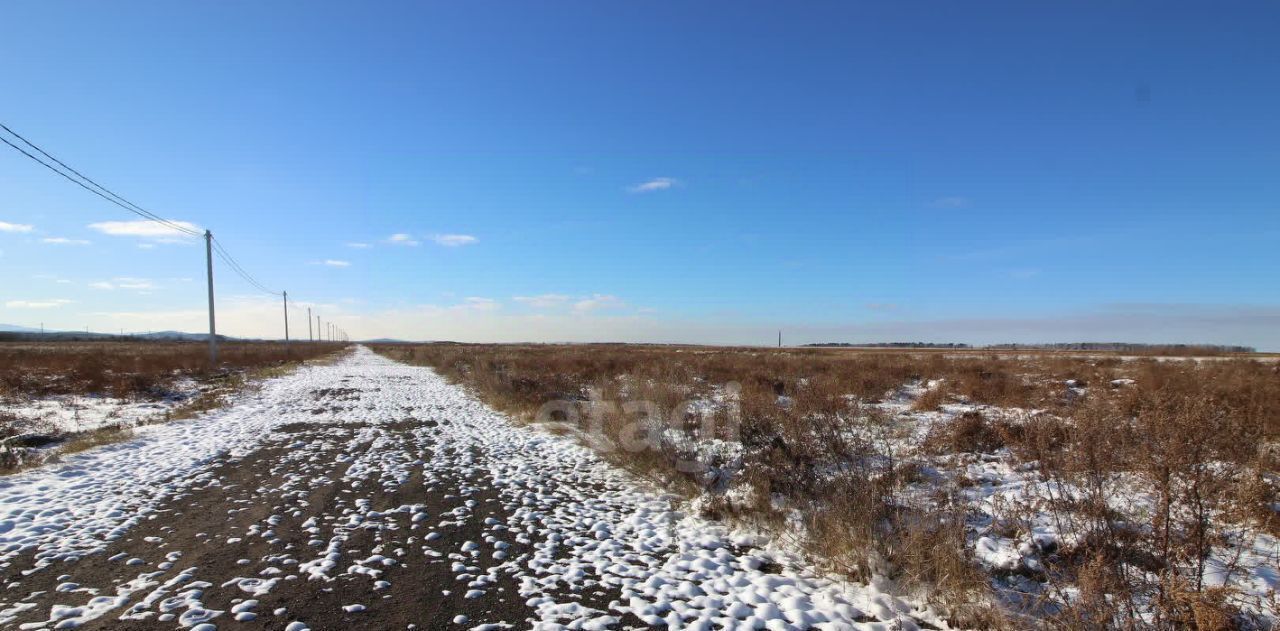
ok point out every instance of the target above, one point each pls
(110, 196)
(238, 269)
(105, 193)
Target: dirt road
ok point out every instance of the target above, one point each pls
(373, 495)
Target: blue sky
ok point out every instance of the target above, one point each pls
(655, 171)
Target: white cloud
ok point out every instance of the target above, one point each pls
(125, 282)
(63, 241)
(144, 229)
(15, 227)
(454, 240)
(335, 263)
(656, 184)
(597, 302)
(481, 304)
(36, 304)
(543, 301)
(401, 238)
(358, 245)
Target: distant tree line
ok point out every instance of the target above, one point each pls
(891, 345)
(1124, 347)
(1174, 349)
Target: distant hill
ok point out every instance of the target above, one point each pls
(13, 328)
(178, 336)
(25, 333)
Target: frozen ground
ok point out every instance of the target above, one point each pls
(68, 414)
(369, 494)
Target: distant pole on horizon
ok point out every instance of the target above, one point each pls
(779, 338)
(310, 337)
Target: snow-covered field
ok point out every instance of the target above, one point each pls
(352, 473)
(1014, 512)
(68, 414)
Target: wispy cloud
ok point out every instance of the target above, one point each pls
(15, 227)
(128, 282)
(335, 263)
(454, 240)
(358, 245)
(63, 241)
(144, 229)
(656, 184)
(402, 238)
(481, 304)
(543, 301)
(952, 202)
(597, 302)
(37, 304)
(125, 282)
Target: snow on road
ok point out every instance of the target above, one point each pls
(370, 494)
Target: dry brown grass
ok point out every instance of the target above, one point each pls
(131, 369)
(1200, 437)
(932, 399)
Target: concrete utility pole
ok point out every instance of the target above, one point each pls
(286, 319)
(213, 330)
(779, 338)
(310, 337)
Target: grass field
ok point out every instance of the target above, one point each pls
(79, 394)
(1078, 489)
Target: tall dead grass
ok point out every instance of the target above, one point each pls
(131, 369)
(1200, 437)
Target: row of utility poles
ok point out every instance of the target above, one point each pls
(324, 331)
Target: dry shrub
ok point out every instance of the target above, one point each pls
(994, 382)
(127, 369)
(931, 399)
(1201, 609)
(970, 432)
(1101, 592)
(1253, 500)
(1187, 434)
(932, 556)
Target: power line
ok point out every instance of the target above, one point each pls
(114, 198)
(212, 245)
(91, 190)
(235, 266)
